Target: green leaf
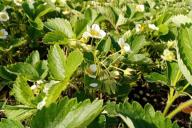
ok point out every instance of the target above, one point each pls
(38, 23)
(127, 121)
(105, 45)
(18, 112)
(121, 20)
(138, 43)
(6, 74)
(11, 44)
(178, 20)
(33, 58)
(23, 92)
(28, 11)
(174, 73)
(91, 15)
(55, 91)
(61, 25)
(42, 68)
(184, 53)
(74, 59)
(56, 62)
(55, 37)
(139, 58)
(6, 123)
(80, 26)
(163, 29)
(156, 77)
(140, 117)
(24, 69)
(42, 10)
(68, 114)
(109, 14)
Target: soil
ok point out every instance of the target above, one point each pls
(157, 96)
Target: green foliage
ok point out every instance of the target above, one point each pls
(68, 113)
(24, 69)
(22, 91)
(56, 62)
(61, 25)
(5, 123)
(55, 37)
(140, 117)
(184, 52)
(88, 50)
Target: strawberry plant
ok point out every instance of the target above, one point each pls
(102, 63)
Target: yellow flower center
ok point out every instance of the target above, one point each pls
(3, 16)
(1, 33)
(94, 33)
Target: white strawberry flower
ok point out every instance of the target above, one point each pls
(138, 27)
(94, 31)
(18, 2)
(93, 85)
(124, 46)
(153, 27)
(168, 55)
(41, 104)
(4, 16)
(3, 34)
(140, 8)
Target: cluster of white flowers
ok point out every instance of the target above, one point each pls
(94, 31)
(168, 55)
(3, 34)
(140, 8)
(124, 46)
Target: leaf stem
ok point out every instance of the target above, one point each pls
(171, 99)
(179, 108)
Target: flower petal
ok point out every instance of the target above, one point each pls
(95, 27)
(102, 33)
